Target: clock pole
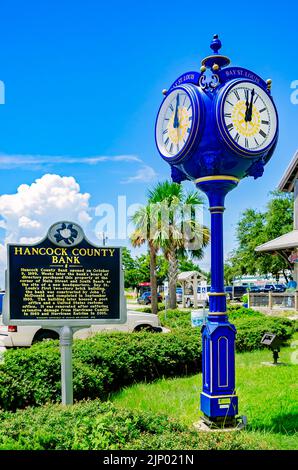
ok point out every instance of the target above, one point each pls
(219, 402)
(231, 134)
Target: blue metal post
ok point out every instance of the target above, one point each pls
(219, 402)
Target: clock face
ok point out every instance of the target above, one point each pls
(175, 123)
(249, 118)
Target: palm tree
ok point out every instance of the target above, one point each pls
(142, 220)
(178, 230)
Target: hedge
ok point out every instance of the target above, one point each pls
(102, 365)
(101, 426)
(107, 362)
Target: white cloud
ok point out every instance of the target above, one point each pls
(12, 161)
(146, 174)
(27, 214)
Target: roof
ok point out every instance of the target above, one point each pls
(187, 275)
(291, 174)
(285, 242)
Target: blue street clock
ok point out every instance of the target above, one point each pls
(215, 127)
(221, 121)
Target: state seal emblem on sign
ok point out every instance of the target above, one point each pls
(66, 234)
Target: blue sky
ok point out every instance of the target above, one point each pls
(84, 78)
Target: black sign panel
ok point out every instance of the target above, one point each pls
(51, 282)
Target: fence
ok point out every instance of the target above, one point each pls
(284, 300)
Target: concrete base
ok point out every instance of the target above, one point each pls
(202, 426)
(274, 365)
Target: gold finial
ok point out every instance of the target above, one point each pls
(203, 69)
(215, 67)
(164, 91)
(269, 83)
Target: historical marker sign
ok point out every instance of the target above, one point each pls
(64, 280)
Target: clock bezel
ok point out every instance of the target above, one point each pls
(224, 133)
(198, 116)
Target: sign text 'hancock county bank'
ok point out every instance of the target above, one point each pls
(76, 282)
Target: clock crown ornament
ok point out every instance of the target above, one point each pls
(215, 61)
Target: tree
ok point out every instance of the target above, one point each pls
(142, 221)
(177, 228)
(130, 272)
(255, 228)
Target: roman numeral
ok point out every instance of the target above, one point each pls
(171, 147)
(189, 107)
(177, 147)
(246, 143)
(257, 96)
(265, 122)
(184, 100)
(237, 95)
(230, 103)
(262, 110)
(262, 133)
(165, 131)
(237, 137)
(230, 126)
(166, 141)
(171, 107)
(228, 115)
(256, 142)
(188, 130)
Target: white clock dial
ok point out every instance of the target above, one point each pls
(249, 117)
(174, 123)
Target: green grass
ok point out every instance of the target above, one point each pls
(268, 396)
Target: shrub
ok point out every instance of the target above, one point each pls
(250, 333)
(102, 364)
(100, 426)
(250, 324)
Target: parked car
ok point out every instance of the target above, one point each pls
(268, 287)
(238, 292)
(12, 336)
(254, 289)
(280, 288)
(145, 298)
(235, 292)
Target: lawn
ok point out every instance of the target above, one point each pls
(268, 396)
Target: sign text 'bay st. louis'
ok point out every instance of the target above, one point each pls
(64, 283)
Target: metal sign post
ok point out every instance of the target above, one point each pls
(66, 340)
(64, 283)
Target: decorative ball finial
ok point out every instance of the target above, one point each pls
(215, 44)
(215, 61)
